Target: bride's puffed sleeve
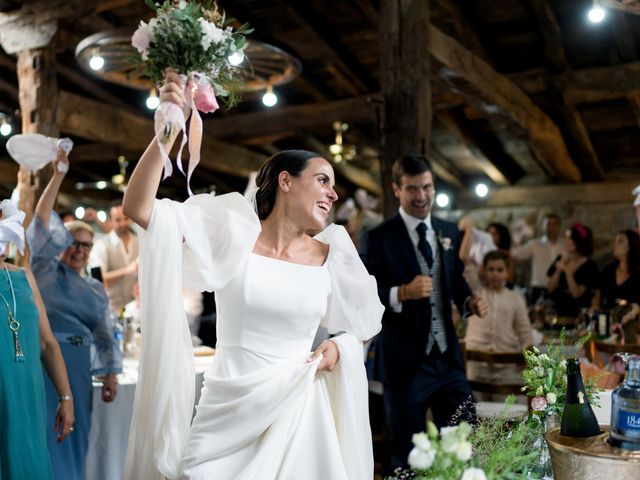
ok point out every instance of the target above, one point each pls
(219, 233)
(354, 305)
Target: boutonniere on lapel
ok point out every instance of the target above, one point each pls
(445, 242)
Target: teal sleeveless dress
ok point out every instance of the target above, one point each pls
(23, 443)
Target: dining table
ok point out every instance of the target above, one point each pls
(110, 422)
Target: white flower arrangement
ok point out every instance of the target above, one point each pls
(445, 454)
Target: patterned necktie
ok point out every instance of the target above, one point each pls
(423, 245)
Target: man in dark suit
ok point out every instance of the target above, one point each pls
(414, 257)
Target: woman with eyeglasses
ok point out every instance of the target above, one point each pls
(78, 311)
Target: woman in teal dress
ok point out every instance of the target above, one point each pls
(23, 444)
(78, 310)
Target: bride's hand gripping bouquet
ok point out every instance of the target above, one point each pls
(195, 40)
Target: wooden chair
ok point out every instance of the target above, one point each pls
(510, 387)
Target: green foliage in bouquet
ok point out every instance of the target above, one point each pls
(496, 449)
(545, 378)
(191, 38)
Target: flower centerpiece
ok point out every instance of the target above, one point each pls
(499, 448)
(196, 40)
(493, 450)
(545, 379)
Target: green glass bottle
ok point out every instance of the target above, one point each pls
(578, 419)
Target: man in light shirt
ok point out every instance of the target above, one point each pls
(542, 252)
(117, 256)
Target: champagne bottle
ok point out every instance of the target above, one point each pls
(578, 419)
(625, 410)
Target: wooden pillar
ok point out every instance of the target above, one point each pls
(405, 125)
(38, 95)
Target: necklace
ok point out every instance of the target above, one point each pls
(14, 325)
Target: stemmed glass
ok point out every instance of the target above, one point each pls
(624, 358)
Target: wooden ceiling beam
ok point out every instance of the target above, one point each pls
(497, 95)
(634, 102)
(358, 177)
(595, 193)
(551, 34)
(579, 134)
(92, 87)
(292, 118)
(98, 122)
(464, 133)
(624, 37)
(339, 53)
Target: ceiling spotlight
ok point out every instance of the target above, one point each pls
(482, 190)
(596, 13)
(236, 58)
(101, 185)
(442, 200)
(79, 212)
(96, 62)
(269, 98)
(5, 127)
(102, 216)
(152, 101)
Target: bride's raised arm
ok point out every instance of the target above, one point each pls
(145, 179)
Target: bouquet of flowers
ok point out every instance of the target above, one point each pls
(494, 450)
(545, 379)
(196, 40)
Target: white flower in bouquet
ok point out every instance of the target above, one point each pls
(422, 459)
(464, 451)
(474, 474)
(211, 34)
(421, 440)
(453, 436)
(551, 398)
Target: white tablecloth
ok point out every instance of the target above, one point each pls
(110, 422)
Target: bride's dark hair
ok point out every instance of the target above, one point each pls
(292, 161)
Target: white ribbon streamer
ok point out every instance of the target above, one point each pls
(168, 117)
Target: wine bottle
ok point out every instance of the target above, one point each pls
(625, 410)
(578, 419)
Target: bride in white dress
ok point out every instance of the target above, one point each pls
(269, 409)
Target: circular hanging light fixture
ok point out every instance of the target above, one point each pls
(259, 66)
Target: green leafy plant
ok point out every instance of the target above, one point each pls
(192, 38)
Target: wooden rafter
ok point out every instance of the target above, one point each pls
(337, 51)
(551, 34)
(554, 50)
(497, 95)
(264, 123)
(568, 194)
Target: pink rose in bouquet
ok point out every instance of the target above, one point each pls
(539, 403)
(205, 98)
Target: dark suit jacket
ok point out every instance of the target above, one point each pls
(389, 254)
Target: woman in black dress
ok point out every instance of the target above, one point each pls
(620, 280)
(574, 277)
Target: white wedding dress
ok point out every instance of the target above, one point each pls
(264, 412)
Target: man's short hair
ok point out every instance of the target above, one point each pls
(410, 165)
(554, 216)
